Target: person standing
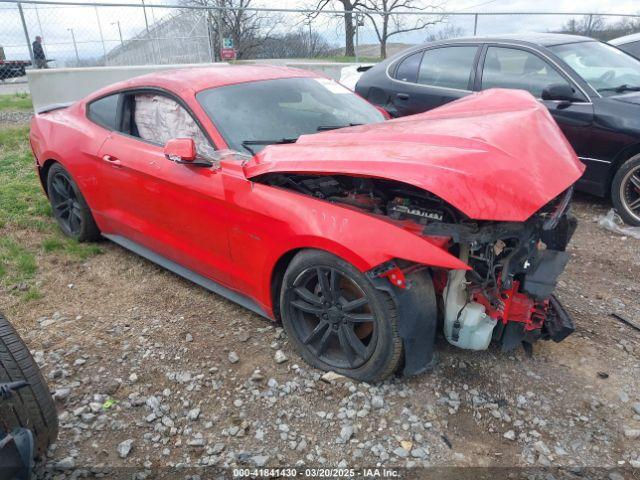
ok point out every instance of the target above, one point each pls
(38, 53)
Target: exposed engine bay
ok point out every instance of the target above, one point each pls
(506, 296)
(382, 197)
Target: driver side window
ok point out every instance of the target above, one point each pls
(520, 69)
(157, 119)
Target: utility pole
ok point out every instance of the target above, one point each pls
(146, 21)
(26, 34)
(357, 46)
(220, 33)
(212, 55)
(117, 22)
(310, 50)
(75, 46)
(40, 29)
(104, 49)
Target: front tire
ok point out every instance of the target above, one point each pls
(625, 191)
(69, 206)
(337, 320)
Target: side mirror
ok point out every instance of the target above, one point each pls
(180, 150)
(559, 91)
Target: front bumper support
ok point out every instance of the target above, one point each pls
(558, 324)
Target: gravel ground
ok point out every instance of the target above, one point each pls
(11, 117)
(152, 372)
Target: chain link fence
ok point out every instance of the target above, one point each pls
(99, 34)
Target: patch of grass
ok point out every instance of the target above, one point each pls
(32, 294)
(21, 198)
(28, 231)
(52, 244)
(18, 264)
(82, 251)
(16, 101)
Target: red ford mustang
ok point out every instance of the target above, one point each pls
(292, 196)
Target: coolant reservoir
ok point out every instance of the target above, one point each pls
(466, 325)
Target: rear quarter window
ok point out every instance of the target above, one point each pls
(448, 67)
(103, 111)
(407, 71)
(632, 49)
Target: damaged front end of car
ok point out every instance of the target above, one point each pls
(507, 295)
(484, 185)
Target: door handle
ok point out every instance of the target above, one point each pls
(402, 96)
(111, 160)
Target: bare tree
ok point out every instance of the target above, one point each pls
(449, 31)
(595, 26)
(349, 7)
(587, 25)
(231, 19)
(296, 44)
(381, 15)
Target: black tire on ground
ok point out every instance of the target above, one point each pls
(32, 406)
(626, 194)
(352, 330)
(70, 209)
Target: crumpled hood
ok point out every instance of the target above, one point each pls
(496, 155)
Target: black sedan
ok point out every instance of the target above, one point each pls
(592, 90)
(629, 44)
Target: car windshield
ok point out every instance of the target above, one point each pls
(607, 69)
(252, 115)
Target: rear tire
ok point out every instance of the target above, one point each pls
(70, 209)
(625, 191)
(350, 329)
(32, 406)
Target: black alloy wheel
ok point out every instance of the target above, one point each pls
(66, 207)
(631, 192)
(337, 319)
(69, 206)
(333, 317)
(625, 191)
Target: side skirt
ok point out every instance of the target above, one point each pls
(196, 278)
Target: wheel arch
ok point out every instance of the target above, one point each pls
(43, 172)
(625, 154)
(277, 276)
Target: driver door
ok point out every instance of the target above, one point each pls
(524, 69)
(177, 211)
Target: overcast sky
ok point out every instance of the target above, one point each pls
(57, 23)
(601, 6)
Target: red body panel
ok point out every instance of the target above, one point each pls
(221, 225)
(466, 152)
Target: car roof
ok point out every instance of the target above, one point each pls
(634, 37)
(540, 39)
(196, 79)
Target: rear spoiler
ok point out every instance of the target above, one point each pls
(52, 107)
(364, 68)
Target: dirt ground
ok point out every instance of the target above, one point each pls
(135, 353)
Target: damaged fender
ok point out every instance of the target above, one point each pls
(418, 310)
(274, 222)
